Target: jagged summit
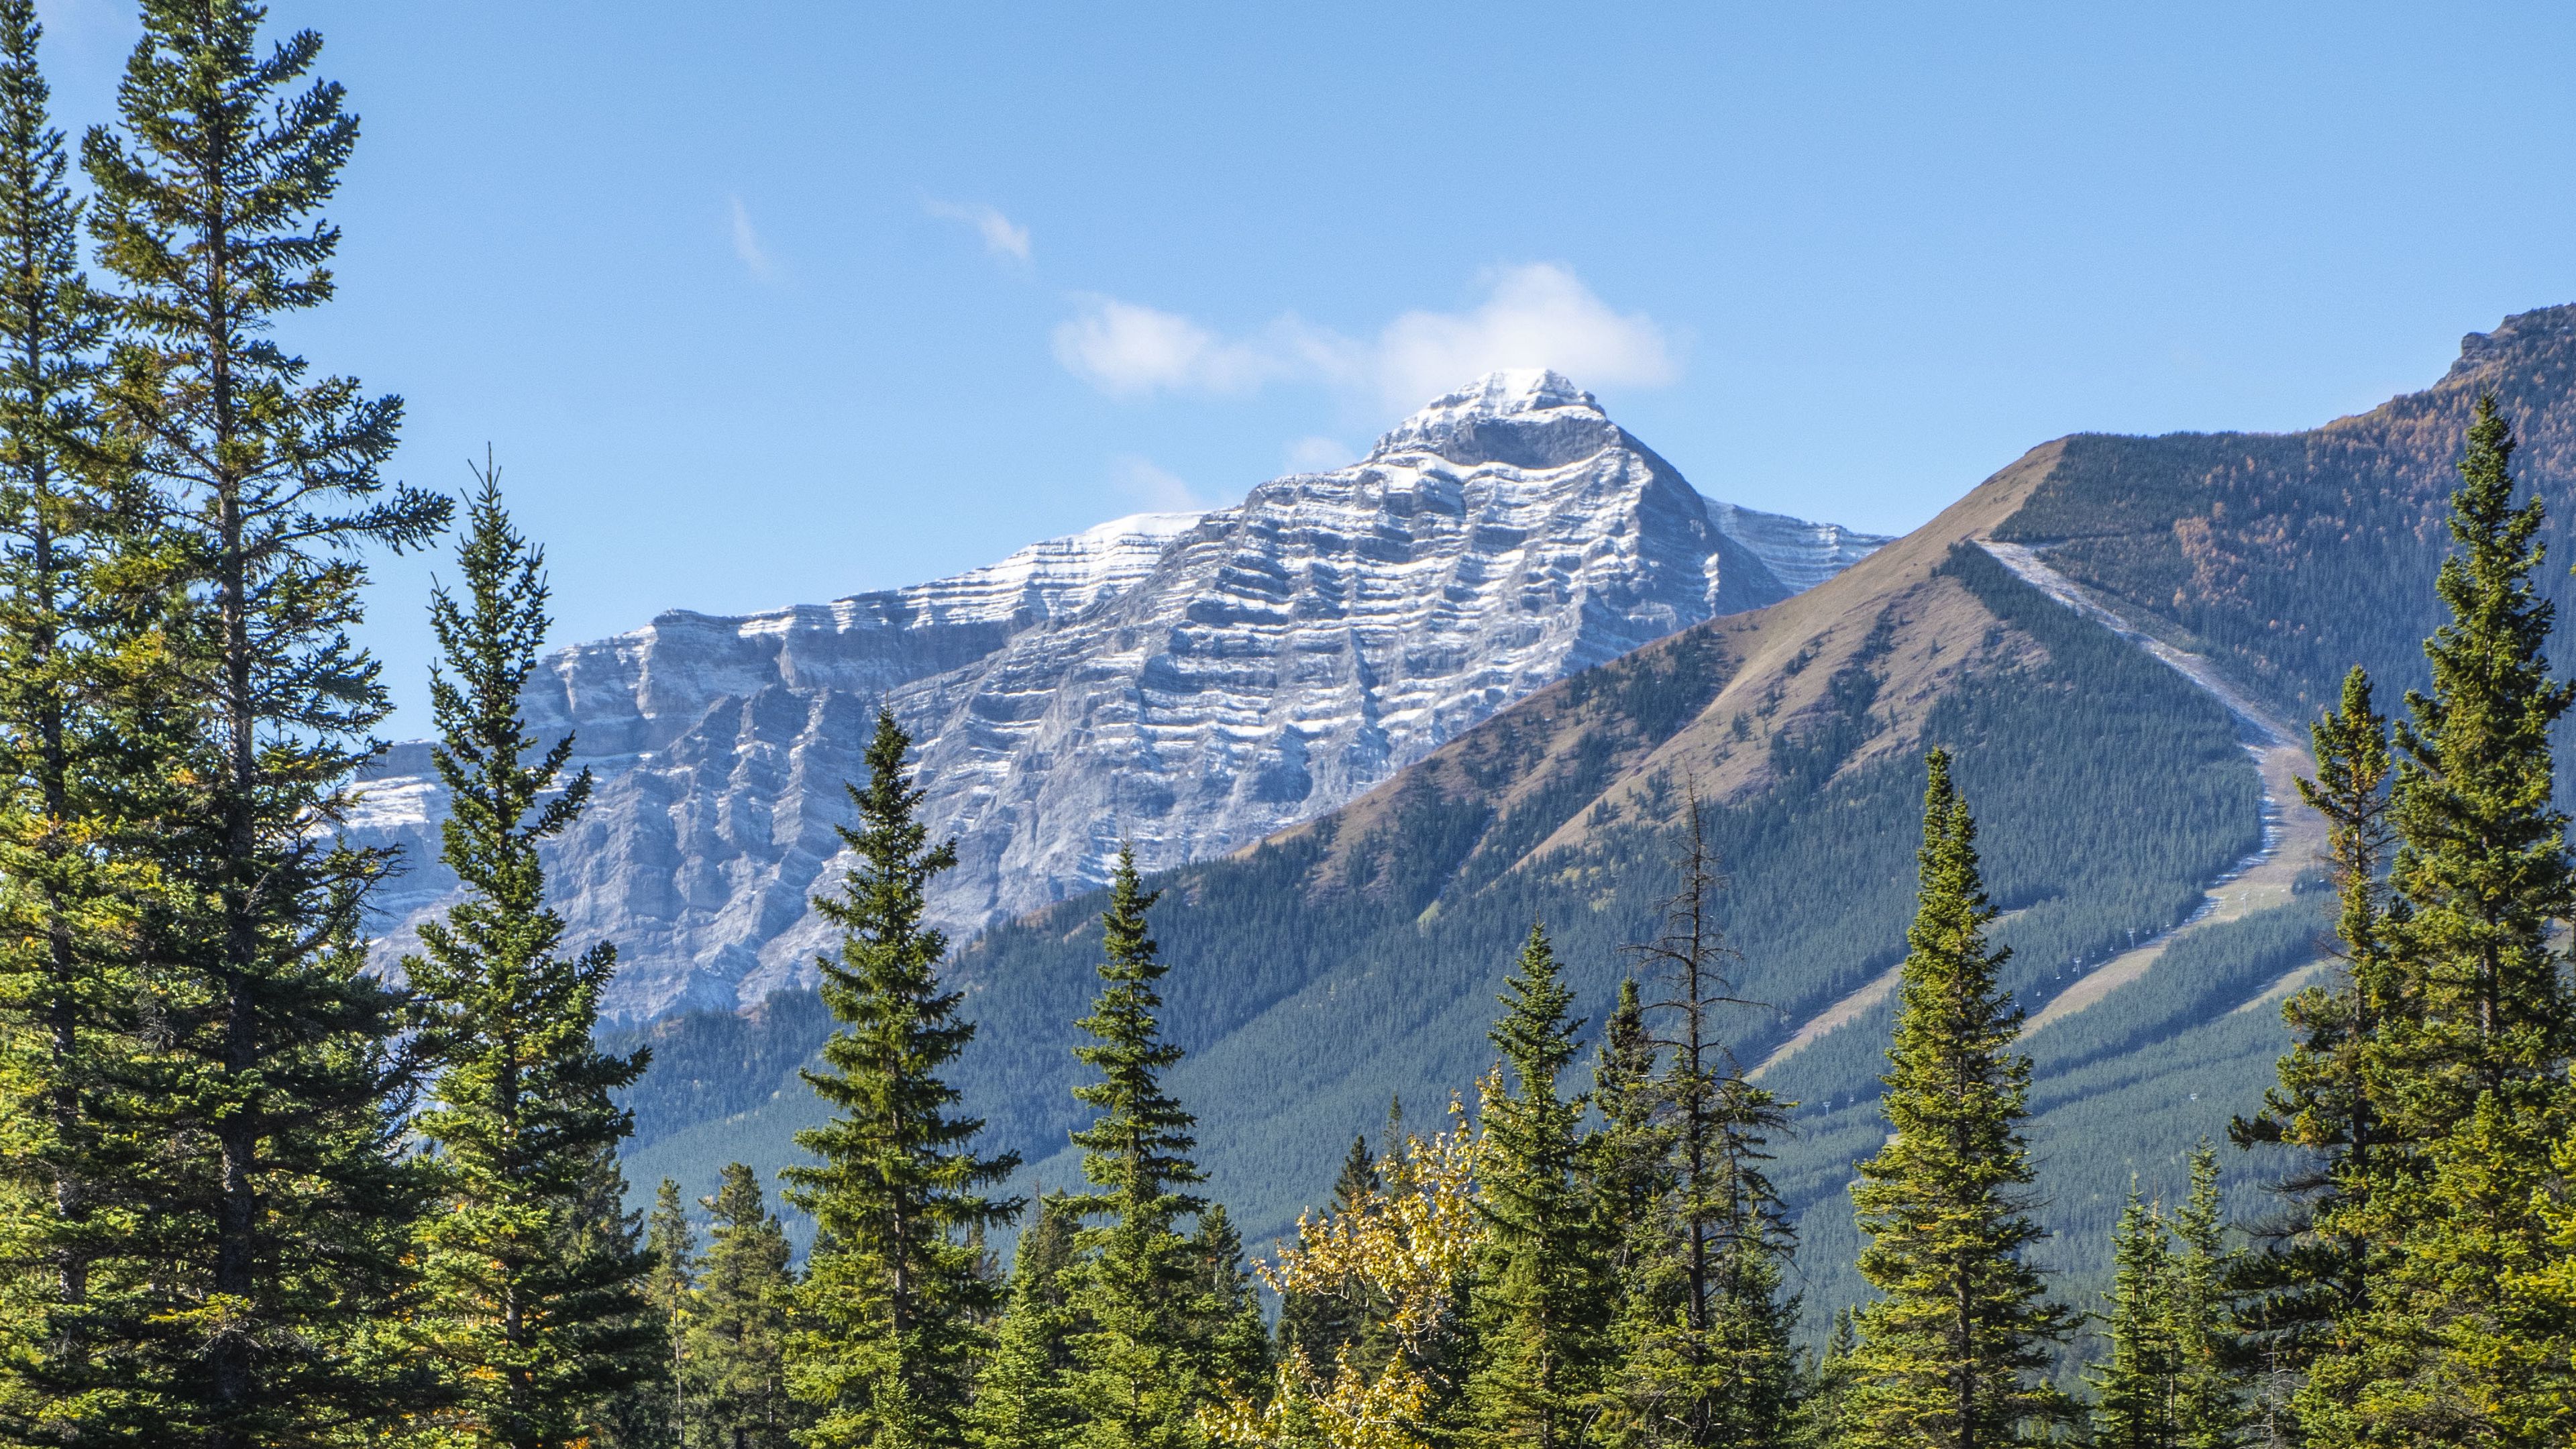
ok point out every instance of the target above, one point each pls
(1520, 417)
(1186, 683)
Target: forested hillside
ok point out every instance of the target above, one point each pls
(1355, 960)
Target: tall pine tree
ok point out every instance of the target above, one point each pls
(1541, 1302)
(1140, 1376)
(1951, 1351)
(280, 1246)
(2311, 1280)
(534, 1310)
(69, 867)
(2473, 1077)
(891, 1316)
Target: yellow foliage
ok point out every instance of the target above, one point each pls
(1404, 1248)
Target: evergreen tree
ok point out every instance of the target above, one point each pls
(2474, 1075)
(1023, 1400)
(1541, 1300)
(1824, 1402)
(2133, 1406)
(1140, 1377)
(1321, 1325)
(2209, 1405)
(67, 846)
(671, 1290)
(279, 1246)
(1234, 1340)
(634, 1413)
(2312, 1279)
(891, 1315)
(1705, 1332)
(1949, 1353)
(736, 1337)
(535, 1309)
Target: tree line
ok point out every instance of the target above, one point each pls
(255, 1193)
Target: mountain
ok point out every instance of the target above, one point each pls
(2119, 636)
(1187, 683)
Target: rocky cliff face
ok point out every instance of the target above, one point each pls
(1185, 683)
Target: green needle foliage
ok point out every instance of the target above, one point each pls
(71, 868)
(1024, 1399)
(2133, 1406)
(2172, 1378)
(276, 1247)
(1949, 1354)
(1541, 1305)
(536, 1314)
(1141, 1373)
(737, 1330)
(2473, 1077)
(1234, 1339)
(2311, 1280)
(2210, 1402)
(669, 1287)
(891, 1317)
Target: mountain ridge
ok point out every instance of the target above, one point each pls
(1185, 682)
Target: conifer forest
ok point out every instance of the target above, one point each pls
(261, 1187)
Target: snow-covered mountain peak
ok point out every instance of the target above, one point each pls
(1524, 417)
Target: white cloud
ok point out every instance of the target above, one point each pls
(1536, 315)
(1127, 351)
(1318, 454)
(746, 245)
(1156, 489)
(1002, 236)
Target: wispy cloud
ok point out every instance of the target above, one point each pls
(1156, 489)
(746, 245)
(1127, 350)
(1535, 315)
(1002, 236)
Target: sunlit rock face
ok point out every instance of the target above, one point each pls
(1185, 683)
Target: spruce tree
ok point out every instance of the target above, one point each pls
(1541, 1301)
(534, 1308)
(2209, 1403)
(1140, 1377)
(2311, 1280)
(891, 1316)
(1824, 1400)
(1951, 1351)
(2473, 1077)
(279, 1249)
(1322, 1325)
(736, 1336)
(670, 1289)
(2133, 1405)
(1705, 1331)
(1234, 1340)
(1024, 1399)
(68, 843)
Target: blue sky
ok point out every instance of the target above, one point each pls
(766, 303)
